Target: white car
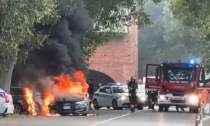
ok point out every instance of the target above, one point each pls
(6, 103)
(113, 95)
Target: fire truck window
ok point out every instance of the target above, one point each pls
(172, 74)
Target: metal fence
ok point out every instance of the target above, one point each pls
(203, 118)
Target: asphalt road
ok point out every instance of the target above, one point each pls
(109, 118)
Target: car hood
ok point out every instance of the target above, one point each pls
(69, 98)
(122, 94)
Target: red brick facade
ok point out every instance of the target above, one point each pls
(119, 57)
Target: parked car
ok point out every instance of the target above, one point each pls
(143, 98)
(69, 104)
(113, 95)
(6, 103)
(19, 102)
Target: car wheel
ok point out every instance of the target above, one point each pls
(64, 114)
(17, 108)
(139, 107)
(95, 104)
(115, 105)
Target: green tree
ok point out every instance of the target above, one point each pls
(17, 20)
(195, 15)
(166, 39)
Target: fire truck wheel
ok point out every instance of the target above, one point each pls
(166, 109)
(193, 109)
(160, 108)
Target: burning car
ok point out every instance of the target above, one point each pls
(69, 105)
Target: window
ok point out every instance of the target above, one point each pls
(108, 90)
(16, 91)
(119, 90)
(179, 74)
(102, 90)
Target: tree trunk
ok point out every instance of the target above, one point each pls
(6, 76)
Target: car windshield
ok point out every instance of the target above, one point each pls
(119, 90)
(179, 74)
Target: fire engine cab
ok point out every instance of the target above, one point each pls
(177, 84)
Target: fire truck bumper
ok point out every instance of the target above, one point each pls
(185, 101)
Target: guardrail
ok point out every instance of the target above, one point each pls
(203, 118)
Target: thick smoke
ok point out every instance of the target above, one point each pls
(61, 52)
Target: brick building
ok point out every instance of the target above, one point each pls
(119, 57)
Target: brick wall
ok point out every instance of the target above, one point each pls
(119, 57)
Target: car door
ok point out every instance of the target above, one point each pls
(108, 96)
(100, 96)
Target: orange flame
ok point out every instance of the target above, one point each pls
(66, 84)
(29, 99)
(63, 84)
(47, 100)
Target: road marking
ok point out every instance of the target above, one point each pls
(108, 120)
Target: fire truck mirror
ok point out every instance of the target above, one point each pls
(203, 75)
(157, 73)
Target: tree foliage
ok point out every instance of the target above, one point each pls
(166, 39)
(195, 15)
(17, 20)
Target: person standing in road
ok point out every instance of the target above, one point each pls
(132, 88)
(90, 91)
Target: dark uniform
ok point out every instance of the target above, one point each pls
(132, 87)
(90, 91)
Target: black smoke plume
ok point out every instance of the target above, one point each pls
(61, 52)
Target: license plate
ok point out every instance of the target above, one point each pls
(66, 107)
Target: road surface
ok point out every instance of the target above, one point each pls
(109, 118)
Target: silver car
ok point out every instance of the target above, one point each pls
(112, 95)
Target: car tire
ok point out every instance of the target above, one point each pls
(95, 104)
(63, 114)
(17, 108)
(139, 107)
(115, 105)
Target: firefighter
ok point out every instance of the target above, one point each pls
(90, 91)
(132, 88)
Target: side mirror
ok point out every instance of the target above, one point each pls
(157, 73)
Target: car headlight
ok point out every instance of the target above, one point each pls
(193, 99)
(162, 97)
(123, 98)
(81, 102)
(143, 99)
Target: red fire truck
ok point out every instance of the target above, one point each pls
(177, 84)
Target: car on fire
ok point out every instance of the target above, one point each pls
(115, 95)
(69, 105)
(20, 105)
(6, 103)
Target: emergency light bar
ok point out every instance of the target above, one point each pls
(118, 84)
